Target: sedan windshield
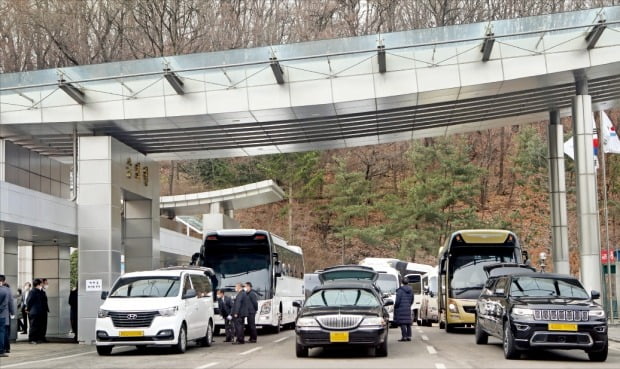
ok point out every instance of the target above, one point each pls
(545, 287)
(342, 297)
(146, 287)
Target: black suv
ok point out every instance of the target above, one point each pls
(541, 310)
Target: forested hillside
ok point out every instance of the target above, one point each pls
(399, 199)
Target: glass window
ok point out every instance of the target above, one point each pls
(187, 285)
(500, 286)
(545, 287)
(146, 287)
(202, 285)
(387, 283)
(343, 297)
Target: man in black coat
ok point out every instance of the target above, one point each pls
(37, 309)
(73, 312)
(402, 310)
(252, 309)
(225, 305)
(240, 312)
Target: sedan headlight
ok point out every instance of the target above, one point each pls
(373, 321)
(169, 311)
(102, 313)
(522, 313)
(307, 322)
(597, 314)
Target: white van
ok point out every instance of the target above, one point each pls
(167, 306)
(429, 312)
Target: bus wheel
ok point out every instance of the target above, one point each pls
(449, 328)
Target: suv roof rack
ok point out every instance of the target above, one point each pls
(207, 271)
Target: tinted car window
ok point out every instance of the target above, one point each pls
(342, 297)
(536, 287)
(146, 287)
(202, 285)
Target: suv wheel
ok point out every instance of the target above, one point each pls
(104, 350)
(510, 351)
(181, 345)
(599, 355)
(301, 350)
(482, 337)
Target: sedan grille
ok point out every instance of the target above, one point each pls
(339, 321)
(561, 315)
(132, 319)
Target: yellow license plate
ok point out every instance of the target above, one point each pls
(131, 333)
(338, 336)
(562, 327)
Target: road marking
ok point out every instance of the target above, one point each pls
(281, 339)
(44, 360)
(440, 366)
(251, 351)
(424, 338)
(431, 350)
(207, 365)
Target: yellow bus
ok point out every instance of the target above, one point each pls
(461, 271)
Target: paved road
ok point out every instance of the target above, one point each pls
(430, 348)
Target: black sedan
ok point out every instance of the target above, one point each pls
(541, 311)
(343, 313)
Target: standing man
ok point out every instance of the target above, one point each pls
(36, 307)
(240, 312)
(252, 309)
(73, 312)
(25, 293)
(9, 314)
(225, 305)
(47, 309)
(402, 310)
(6, 310)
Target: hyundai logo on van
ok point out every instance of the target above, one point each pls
(132, 316)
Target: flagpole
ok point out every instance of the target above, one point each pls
(606, 216)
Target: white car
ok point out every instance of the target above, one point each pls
(166, 307)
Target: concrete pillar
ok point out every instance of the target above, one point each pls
(587, 197)
(52, 262)
(109, 171)
(2, 160)
(138, 238)
(557, 194)
(8, 261)
(24, 262)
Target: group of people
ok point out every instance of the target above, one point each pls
(236, 311)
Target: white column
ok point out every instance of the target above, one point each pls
(557, 194)
(8, 261)
(587, 196)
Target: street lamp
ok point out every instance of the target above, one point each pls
(541, 262)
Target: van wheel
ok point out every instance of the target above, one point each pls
(301, 350)
(599, 355)
(104, 350)
(181, 345)
(429, 323)
(207, 340)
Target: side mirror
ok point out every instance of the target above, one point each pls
(385, 295)
(595, 295)
(388, 303)
(427, 291)
(297, 303)
(278, 269)
(498, 292)
(190, 293)
(104, 295)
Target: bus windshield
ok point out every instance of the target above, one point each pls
(467, 276)
(239, 260)
(387, 283)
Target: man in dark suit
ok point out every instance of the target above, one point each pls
(252, 309)
(6, 310)
(240, 312)
(37, 309)
(73, 312)
(225, 305)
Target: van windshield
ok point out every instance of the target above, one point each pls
(387, 283)
(146, 287)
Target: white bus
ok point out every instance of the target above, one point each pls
(275, 269)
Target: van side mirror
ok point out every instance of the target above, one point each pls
(104, 295)
(595, 295)
(190, 293)
(388, 303)
(297, 304)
